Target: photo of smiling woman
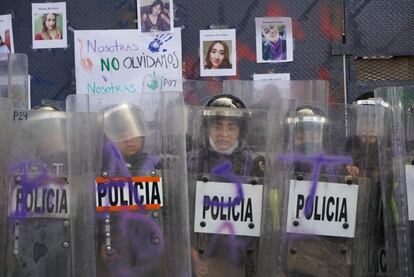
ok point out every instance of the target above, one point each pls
(218, 55)
(48, 27)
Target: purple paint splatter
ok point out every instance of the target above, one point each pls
(317, 161)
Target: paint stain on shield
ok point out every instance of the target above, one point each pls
(39, 250)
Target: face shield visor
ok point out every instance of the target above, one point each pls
(307, 127)
(124, 122)
(46, 131)
(365, 121)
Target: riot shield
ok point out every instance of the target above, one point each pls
(14, 79)
(226, 178)
(5, 123)
(4, 75)
(260, 94)
(197, 92)
(326, 192)
(38, 207)
(139, 199)
(394, 107)
(84, 139)
(363, 130)
(268, 94)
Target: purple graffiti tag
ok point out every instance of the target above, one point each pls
(117, 166)
(146, 249)
(30, 175)
(146, 242)
(232, 242)
(29, 170)
(317, 161)
(224, 170)
(116, 161)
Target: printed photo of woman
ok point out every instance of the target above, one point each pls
(49, 28)
(4, 49)
(218, 55)
(273, 42)
(155, 17)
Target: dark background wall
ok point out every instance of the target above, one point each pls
(378, 40)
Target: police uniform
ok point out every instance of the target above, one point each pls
(363, 148)
(225, 255)
(310, 255)
(125, 241)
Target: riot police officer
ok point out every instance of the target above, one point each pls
(223, 137)
(316, 144)
(124, 238)
(307, 135)
(124, 125)
(363, 140)
(222, 155)
(363, 143)
(39, 220)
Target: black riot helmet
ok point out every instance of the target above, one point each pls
(225, 107)
(225, 101)
(307, 128)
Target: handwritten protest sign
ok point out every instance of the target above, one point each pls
(127, 62)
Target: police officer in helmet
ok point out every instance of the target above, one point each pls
(125, 131)
(307, 134)
(307, 138)
(124, 125)
(223, 136)
(223, 139)
(38, 236)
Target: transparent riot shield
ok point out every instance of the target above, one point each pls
(260, 94)
(38, 207)
(363, 146)
(4, 75)
(326, 194)
(14, 79)
(84, 139)
(394, 107)
(256, 95)
(268, 94)
(196, 93)
(5, 123)
(140, 186)
(226, 184)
